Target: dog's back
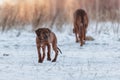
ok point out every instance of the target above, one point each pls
(52, 38)
(80, 16)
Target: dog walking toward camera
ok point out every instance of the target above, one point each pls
(80, 25)
(45, 38)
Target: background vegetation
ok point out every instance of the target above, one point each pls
(40, 13)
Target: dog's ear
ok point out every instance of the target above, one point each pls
(48, 30)
(38, 32)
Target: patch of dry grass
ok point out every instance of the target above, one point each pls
(41, 13)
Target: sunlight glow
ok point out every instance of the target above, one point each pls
(15, 12)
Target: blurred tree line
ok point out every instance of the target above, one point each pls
(40, 13)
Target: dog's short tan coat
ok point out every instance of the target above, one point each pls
(45, 38)
(80, 25)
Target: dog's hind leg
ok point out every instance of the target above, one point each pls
(56, 51)
(81, 36)
(75, 29)
(48, 53)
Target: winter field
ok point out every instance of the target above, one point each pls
(96, 60)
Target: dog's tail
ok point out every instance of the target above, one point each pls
(59, 50)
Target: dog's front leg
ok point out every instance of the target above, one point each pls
(39, 55)
(43, 49)
(38, 50)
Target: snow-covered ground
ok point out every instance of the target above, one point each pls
(96, 60)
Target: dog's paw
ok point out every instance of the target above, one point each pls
(40, 61)
(77, 41)
(49, 59)
(53, 60)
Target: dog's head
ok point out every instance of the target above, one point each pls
(43, 33)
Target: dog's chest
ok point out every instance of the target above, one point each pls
(43, 43)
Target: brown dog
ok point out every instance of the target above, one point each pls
(80, 25)
(44, 38)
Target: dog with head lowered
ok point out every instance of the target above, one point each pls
(80, 18)
(45, 38)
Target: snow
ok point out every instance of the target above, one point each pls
(96, 60)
